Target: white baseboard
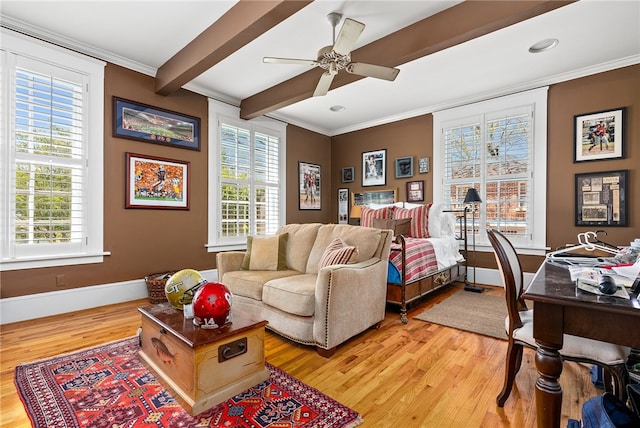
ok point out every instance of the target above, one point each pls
(492, 277)
(22, 308)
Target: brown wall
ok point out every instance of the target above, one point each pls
(610, 90)
(310, 147)
(605, 91)
(409, 137)
(143, 241)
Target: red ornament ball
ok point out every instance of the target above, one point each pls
(212, 305)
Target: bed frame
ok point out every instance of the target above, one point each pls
(405, 293)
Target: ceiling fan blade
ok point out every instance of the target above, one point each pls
(370, 70)
(348, 36)
(323, 84)
(273, 60)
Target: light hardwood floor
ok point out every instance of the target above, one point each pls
(414, 375)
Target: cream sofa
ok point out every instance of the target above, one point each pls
(320, 307)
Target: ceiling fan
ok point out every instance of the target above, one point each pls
(338, 56)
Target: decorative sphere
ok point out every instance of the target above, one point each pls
(212, 305)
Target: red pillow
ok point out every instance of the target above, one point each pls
(419, 220)
(368, 214)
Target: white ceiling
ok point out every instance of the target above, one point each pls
(594, 35)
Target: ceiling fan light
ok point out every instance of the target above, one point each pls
(544, 45)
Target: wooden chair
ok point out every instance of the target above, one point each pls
(519, 328)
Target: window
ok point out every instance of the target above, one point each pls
(246, 177)
(51, 155)
(492, 146)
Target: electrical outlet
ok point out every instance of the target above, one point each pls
(59, 280)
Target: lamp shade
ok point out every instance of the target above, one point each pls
(472, 196)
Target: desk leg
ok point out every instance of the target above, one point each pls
(548, 390)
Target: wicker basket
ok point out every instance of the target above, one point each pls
(155, 286)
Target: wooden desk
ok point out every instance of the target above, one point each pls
(559, 308)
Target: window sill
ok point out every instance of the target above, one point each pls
(216, 248)
(51, 261)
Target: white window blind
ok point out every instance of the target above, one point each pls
(46, 177)
(492, 147)
(247, 178)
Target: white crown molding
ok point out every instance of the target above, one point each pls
(74, 45)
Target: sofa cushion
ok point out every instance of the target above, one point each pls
(419, 220)
(368, 214)
(249, 283)
(338, 253)
(365, 239)
(299, 244)
(293, 294)
(266, 253)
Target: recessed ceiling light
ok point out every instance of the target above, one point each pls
(544, 45)
(336, 108)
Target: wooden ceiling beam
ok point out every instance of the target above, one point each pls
(458, 24)
(245, 21)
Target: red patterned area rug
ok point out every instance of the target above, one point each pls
(107, 386)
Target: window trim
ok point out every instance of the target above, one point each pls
(538, 99)
(219, 112)
(14, 43)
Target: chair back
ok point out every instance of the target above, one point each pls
(511, 272)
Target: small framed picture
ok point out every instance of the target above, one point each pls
(599, 135)
(404, 167)
(156, 183)
(423, 165)
(343, 206)
(348, 174)
(415, 191)
(309, 186)
(374, 168)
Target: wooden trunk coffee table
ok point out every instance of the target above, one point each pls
(203, 367)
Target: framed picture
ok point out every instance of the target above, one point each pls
(374, 168)
(348, 174)
(381, 197)
(423, 165)
(156, 183)
(404, 167)
(309, 186)
(343, 206)
(415, 191)
(141, 122)
(601, 198)
(599, 135)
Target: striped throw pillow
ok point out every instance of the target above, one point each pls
(368, 214)
(419, 220)
(338, 253)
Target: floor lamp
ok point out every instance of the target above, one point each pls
(472, 198)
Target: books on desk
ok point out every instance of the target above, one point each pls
(588, 279)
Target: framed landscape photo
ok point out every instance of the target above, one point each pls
(599, 135)
(309, 186)
(602, 198)
(404, 167)
(348, 174)
(141, 122)
(343, 206)
(156, 183)
(374, 168)
(415, 191)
